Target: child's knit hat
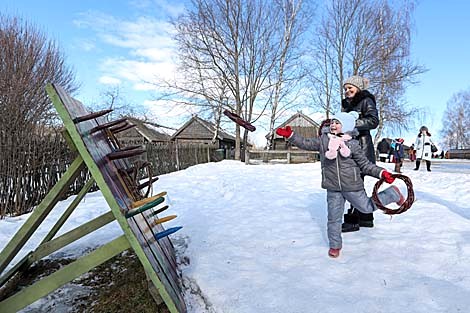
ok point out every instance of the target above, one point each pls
(347, 120)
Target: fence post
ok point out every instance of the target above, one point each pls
(247, 156)
(288, 157)
(177, 157)
(208, 155)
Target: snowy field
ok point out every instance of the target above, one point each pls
(256, 240)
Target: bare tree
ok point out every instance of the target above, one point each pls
(322, 76)
(113, 98)
(289, 71)
(232, 53)
(372, 39)
(330, 47)
(28, 61)
(391, 67)
(456, 121)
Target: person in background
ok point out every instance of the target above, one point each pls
(412, 153)
(392, 148)
(359, 99)
(342, 160)
(423, 148)
(398, 154)
(383, 148)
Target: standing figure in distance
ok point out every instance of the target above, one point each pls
(358, 99)
(423, 148)
(383, 148)
(398, 154)
(412, 153)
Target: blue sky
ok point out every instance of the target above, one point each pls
(126, 42)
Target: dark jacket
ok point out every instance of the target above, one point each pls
(364, 104)
(341, 173)
(383, 146)
(398, 152)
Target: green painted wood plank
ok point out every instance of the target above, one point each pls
(55, 244)
(12, 271)
(60, 222)
(39, 214)
(63, 276)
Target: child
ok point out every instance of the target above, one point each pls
(342, 162)
(398, 154)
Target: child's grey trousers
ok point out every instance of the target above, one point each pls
(359, 200)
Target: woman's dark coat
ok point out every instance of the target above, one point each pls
(364, 104)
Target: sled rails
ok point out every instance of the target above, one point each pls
(137, 213)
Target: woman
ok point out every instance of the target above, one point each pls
(423, 148)
(358, 99)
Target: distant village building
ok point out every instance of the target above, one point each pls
(144, 132)
(458, 154)
(300, 124)
(199, 131)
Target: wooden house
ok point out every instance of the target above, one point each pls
(301, 124)
(199, 131)
(144, 132)
(458, 154)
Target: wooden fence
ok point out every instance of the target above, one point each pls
(30, 169)
(280, 156)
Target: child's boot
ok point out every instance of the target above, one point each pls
(366, 219)
(401, 199)
(390, 195)
(333, 253)
(351, 221)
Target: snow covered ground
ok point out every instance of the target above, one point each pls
(256, 239)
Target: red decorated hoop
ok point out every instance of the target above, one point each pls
(405, 206)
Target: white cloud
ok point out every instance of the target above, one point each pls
(107, 80)
(87, 45)
(171, 8)
(140, 74)
(145, 46)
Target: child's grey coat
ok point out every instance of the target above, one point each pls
(341, 173)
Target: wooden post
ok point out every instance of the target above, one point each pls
(265, 156)
(69, 210)
(46, 248)
(247, 156)
(64, 275)
(177, 156)
(39, 214)
(288, 157)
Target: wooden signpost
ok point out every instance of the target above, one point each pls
(99, 150)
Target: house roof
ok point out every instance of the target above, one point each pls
(151, 131)
(210, 127)
(298, 115)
